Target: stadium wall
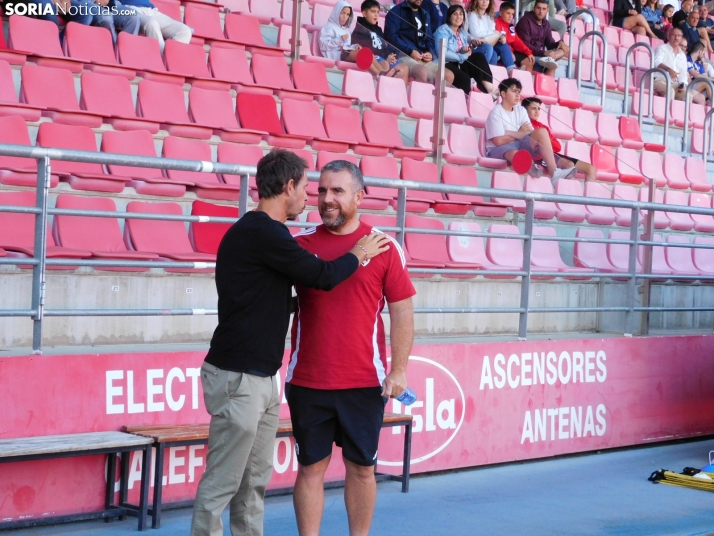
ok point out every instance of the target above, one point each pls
(478, 404)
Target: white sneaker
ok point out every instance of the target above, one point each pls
(535, 171)
(547, 62)
(564, 174)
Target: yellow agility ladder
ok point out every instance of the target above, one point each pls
(689, 478)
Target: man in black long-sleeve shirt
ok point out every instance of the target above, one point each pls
(258, 261)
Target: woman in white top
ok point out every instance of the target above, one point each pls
(488, 41)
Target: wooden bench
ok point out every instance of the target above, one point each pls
(180, 435)
(23, 449)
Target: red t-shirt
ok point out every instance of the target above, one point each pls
(553, 140)
(338, 337)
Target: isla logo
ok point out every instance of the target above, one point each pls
(438, 413)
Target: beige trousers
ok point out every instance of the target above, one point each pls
(244, 419)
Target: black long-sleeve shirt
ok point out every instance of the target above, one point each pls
(258, 261)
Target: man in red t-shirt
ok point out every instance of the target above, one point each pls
(337, 381)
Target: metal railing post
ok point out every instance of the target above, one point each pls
(706, 140)
(667, 102)
(401, 214)
(526, 279)
(687, 105)
(626, 109)
(244, 192)
(603, 89)
(437, 138)
(647, 258)
(295, 33)
(40, 252)
(631, 296)
(571, 34)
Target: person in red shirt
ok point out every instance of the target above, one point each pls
(522, 55)
(337, 382)
(532, 106)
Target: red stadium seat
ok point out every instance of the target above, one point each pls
(507, 253)
(584, 123)
(598, 215)
(321, 12)
(545, 256)
(619, 254)
(624, 192)
(413, 170)
(678, 221)
(479, 106)
(53, 90)
(39, 39)
(592, 254)
(146, 181)
(545, 88)
(245, 30)
(311, 77)
(189, 61)
(466, 148)
(94, 45)
(231, 64)
(166, 104)
(455, 110)
(259, 112)
(308, 52)
(286, 13)
(80, 175)
(359, 85)
(470, 249)
(244, 155)
(16, 171)
(207, 184)
(392, 97)
(603, 158)
(170, 8)
(567, 211)
(383, 129)
(206, 24)
(9, 103)
(168, 239)
(101, 236)
(206, 237)
(214, 109)
(680, 259)
(628, 166)
(265, 10)
(560, 122)
(526, 80)
(621, 76)
(584, 68)
(578, 149)
(659, 262)
(272, 72)
(674, 171)
(144, 56)
(303, 118)
(544, 210)
(346, 124)
(432, 247)
(117, 110)
(17, 232)
(608, 130)
(507, 180)
(697, 174)
(325, 157)
(569, 96)
(661, 221)
(702, 223)
(632, 138)
(383, 167)
(466, 176)
(703, 259)
(421, 99)
(651, 167)
(13, 57)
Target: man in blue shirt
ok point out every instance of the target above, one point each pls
(157, 25)
(91, 13)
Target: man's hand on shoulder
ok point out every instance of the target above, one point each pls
(394, 384)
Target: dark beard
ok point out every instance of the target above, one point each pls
(338, 222)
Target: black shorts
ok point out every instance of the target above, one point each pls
(518, 58)
(570, 158)
(350, 418)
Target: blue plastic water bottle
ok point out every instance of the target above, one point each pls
(408, 397)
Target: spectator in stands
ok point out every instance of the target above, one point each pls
(92, 13)
(555, 23)
(368, 34)
(157, 25)
(508, 130)
(667, 12)
(335, 36)
(705, 21)
(693, 31)
(653, 16)
(489, 42)
(522, 55)
(437, 12)
(698, 69)
(627, 15)
(533, 108)
(408, 27)
(257, 264)
(337, 383)
(464, 63)
(672, 59)
(680, 16)
(535, 31)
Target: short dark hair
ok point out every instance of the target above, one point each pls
(345, 165)
(369, 4)
(508, 83)
(539, 2)
(530, 100)
(450, 12)
(506, 6)
(275, 170)
(695, 47)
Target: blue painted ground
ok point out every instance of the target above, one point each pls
(604, 493)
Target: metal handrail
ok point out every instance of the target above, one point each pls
(628, 73)
(603, 89)
(707, 141)
(667, 102)
(295, 41)
(437, 139)
(686, 142)
(571, 33)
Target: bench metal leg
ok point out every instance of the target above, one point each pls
(406, 465)
(145, 483)
(124, 459)
(158, 487)
(111, 477)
